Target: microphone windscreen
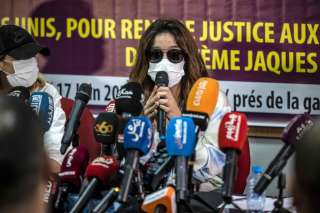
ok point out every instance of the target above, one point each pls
(138, 134)
(43, 105)
(105, 128)
(233, 131)
(102, 168)
(74, 165)
(21, 93)
(130, 99)
(203, 96)
(84, 92)
(180, 136)
(162, 78)
(296, 128)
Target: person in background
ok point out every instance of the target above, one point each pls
(167, 45)
(19, 67)
(23, 160)
(307, 172)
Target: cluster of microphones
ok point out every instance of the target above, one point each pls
(120, 181)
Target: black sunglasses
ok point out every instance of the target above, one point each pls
(175, 56)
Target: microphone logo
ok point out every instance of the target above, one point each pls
(180, 128)
(35, 102)
(70, 157)
(103, 128)
(233, 127)
(123, 93)
(200, 90)
(103, 161)
(303, 128)
(133, 129)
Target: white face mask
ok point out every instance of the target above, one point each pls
(25, 73)
(175, 71)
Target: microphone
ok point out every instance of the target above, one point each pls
(98, 172)
(105, 130)
(180, 142)
(137, 141)
(82, 97)
(71, 175)
(201, 101)
(163, 200)
(162, 79)
(42, 104)
(233, 134)
(131, 94)
(291, 136)
(20, 92)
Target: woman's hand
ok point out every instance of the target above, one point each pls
(150, 108)
(167, 102)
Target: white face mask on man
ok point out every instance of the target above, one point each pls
(175, 70)
(25, 73)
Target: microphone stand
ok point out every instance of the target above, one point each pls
(278, 204)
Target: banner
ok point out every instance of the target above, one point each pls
(265, 53)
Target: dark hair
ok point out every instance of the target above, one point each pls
(307, 170)
(23, 161)
(194, 66)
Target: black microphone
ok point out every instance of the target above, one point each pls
(128, 103)
(105, 132)
(82, 98)
(162, 80)
(291, 135)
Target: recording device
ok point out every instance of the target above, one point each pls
(162, 80)
(128, 103)
(82, 98)
(137, 141)
(291, 136)
(22, 93)
(42, 104)
(233, 134)
(180, 143)
(105, 132)
(98, 173)
(71, 175)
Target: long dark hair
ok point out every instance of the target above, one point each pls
(194, 66)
